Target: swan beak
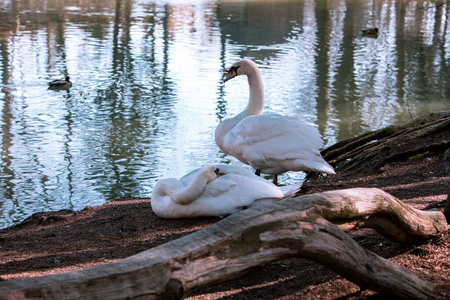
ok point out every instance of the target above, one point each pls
(231, 73)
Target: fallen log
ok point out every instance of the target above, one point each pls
(371, 151)
(302, 226)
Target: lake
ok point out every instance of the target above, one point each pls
(148, 87)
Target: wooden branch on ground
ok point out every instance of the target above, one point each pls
(302, 226)
(369, 149)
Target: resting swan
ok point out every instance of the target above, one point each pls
(214, 191)
(271, 144)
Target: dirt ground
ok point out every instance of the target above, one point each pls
(52, 242)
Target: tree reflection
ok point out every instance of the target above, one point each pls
(145, 73)
(123, 101)
(6, 172)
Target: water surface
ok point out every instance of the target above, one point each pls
(148, 91)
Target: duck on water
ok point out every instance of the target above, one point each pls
(60, 83)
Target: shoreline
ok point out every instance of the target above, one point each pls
(53, 242)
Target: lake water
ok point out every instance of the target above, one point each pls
(148, 93)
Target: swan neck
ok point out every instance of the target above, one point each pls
(256, 99)
(254, 107)
(192, 191)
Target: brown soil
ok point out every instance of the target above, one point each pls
(61, 241)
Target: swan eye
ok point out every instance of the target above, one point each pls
(216, 171)
(234, 69)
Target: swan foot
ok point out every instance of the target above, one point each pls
(258, 172)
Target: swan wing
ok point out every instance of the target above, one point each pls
(263, 139)
(234, 169)
(290, 133)
(223, 169)
(189, 176)
(246, 189)
(237, 189)
(262, 188)
(218, 187)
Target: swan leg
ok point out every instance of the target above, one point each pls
(312, 175)
(275, 179)
(258, 172)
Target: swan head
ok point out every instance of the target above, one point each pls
(210, 172)
(242, 67)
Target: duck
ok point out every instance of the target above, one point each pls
(61, 83)
(215, 191)
(270, 143)
(370, 31)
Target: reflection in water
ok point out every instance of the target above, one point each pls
(148, 90)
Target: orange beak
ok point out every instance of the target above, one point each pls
(217, 172)
(231, 73)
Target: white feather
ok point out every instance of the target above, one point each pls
(236, 189)
(271, 143)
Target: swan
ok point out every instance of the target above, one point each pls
(218, 190)
(61, 83)
(270, 143)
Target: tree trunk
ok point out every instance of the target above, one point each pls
(305, 226)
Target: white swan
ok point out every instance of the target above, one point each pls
(271, 144)
(202, 193)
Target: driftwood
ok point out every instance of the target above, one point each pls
(309, 226)
(371, 151)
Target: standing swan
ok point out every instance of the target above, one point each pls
(214, 191)
(271, 144)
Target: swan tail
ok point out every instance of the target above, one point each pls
(290, 190)
(328, 169)
(320, 167)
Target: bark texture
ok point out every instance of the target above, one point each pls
(371, 151)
